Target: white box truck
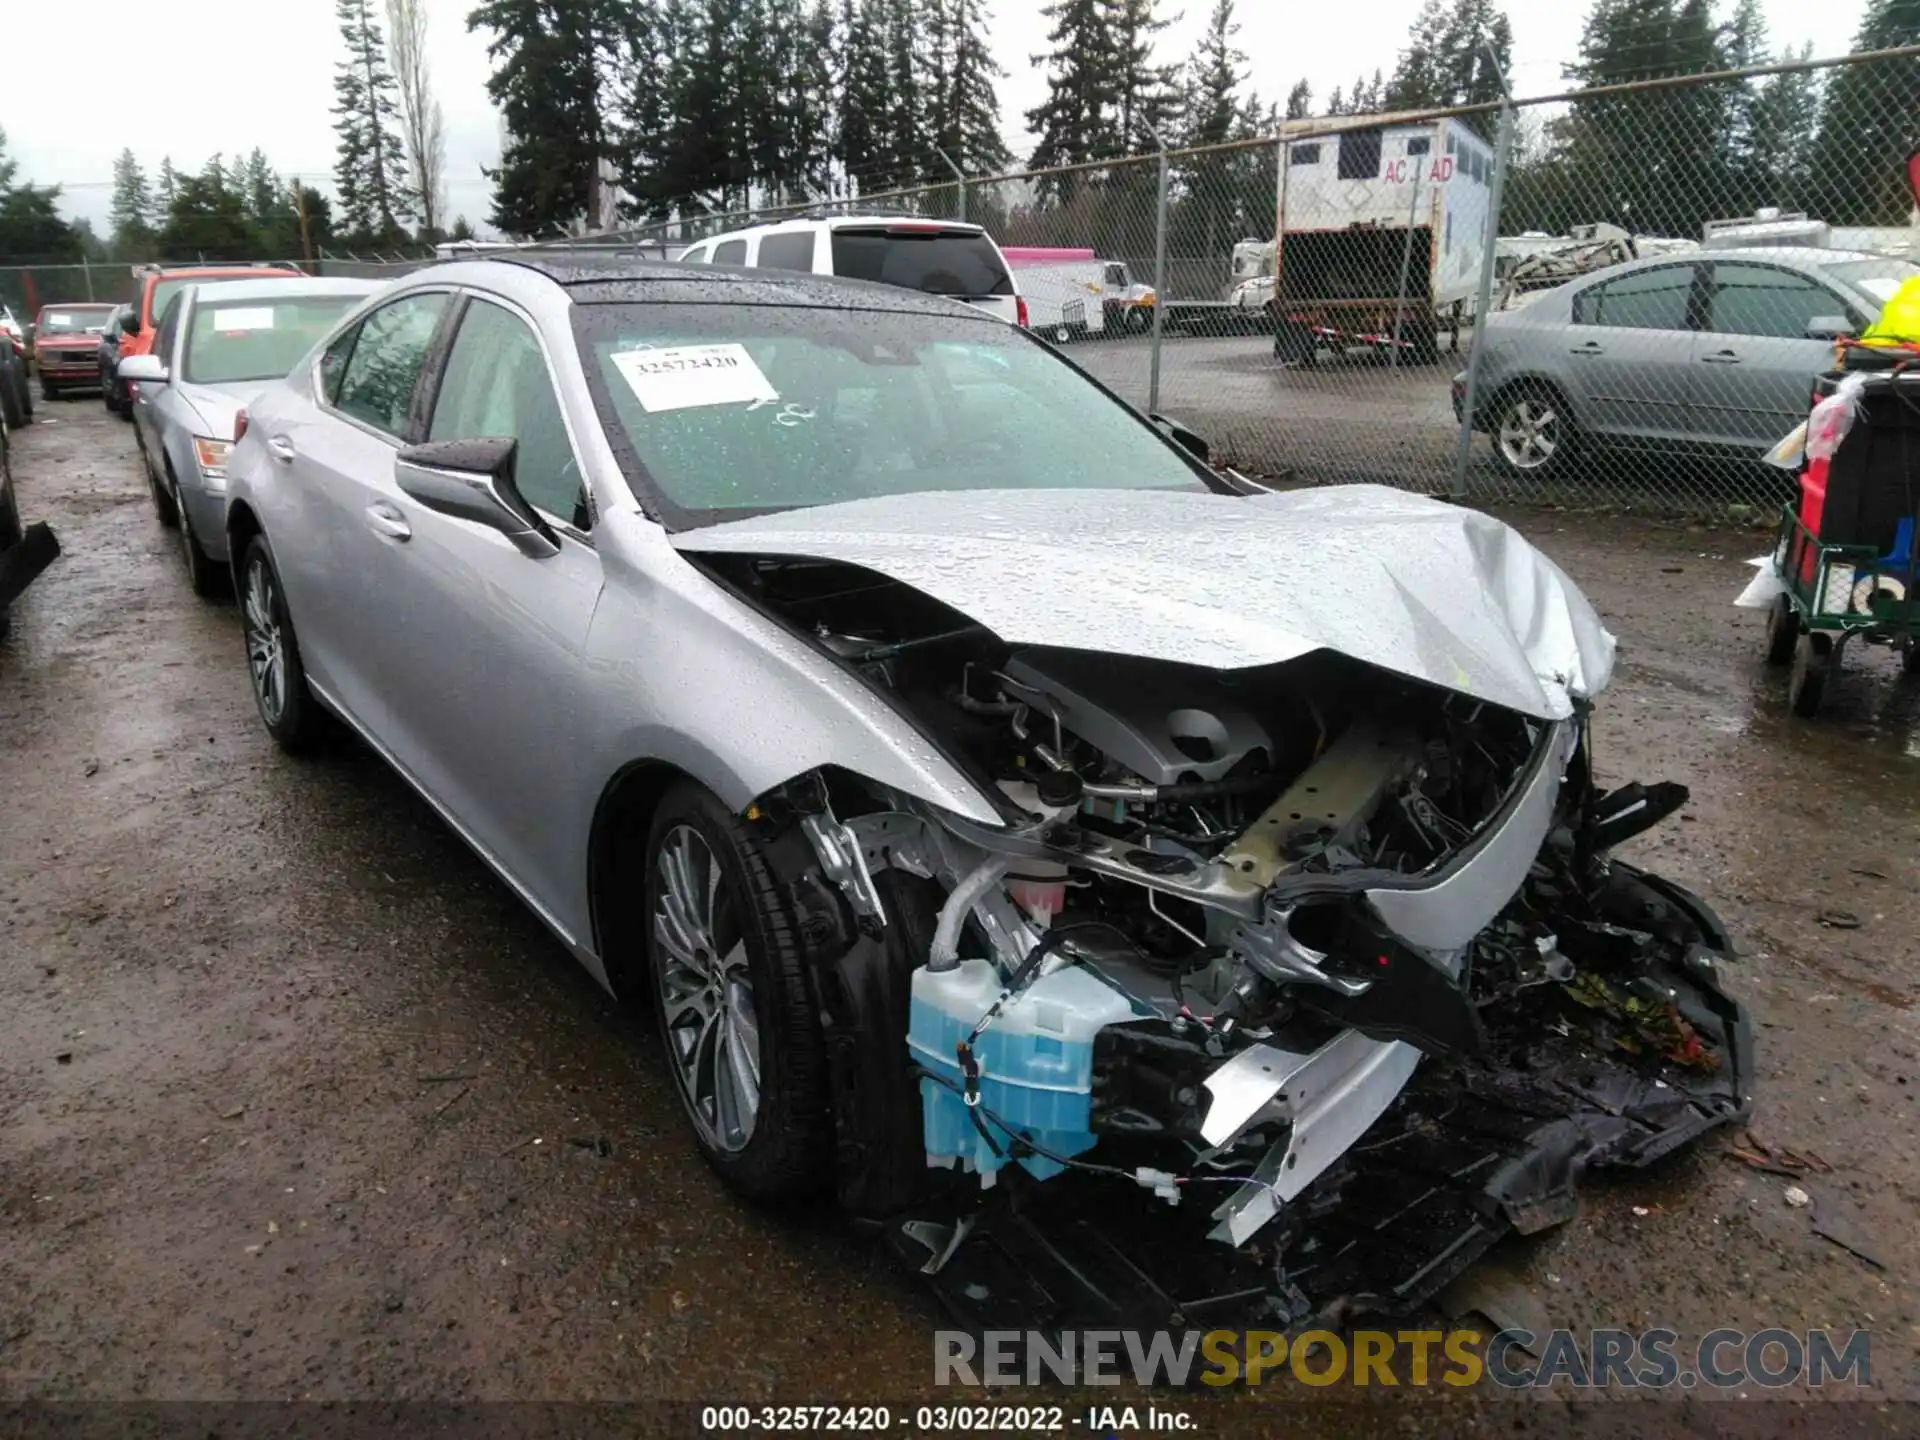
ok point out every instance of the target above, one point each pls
(1379, 234)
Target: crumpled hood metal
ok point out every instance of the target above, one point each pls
(1410, 584)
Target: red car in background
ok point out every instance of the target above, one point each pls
(158, 285)
(66, 346)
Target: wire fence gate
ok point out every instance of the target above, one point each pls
(1618, 295)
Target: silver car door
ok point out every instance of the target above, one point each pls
(489, 674)
(1627, 353)
(336, 456)
(1753, 362)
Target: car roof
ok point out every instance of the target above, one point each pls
(288, 285)
(76, 305)
(204, 272)
(844, 222)
(625, 277)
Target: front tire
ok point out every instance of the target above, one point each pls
(1783, 630)
(1533, 433)
(287, 708)
(48, 392)
(1812, 665)
(204, 573)
(730, 992)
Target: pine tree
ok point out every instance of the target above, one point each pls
(1214, 182)
(549, 57)
(1145, 97)
(130, 214)
(1077, 121)
(1786, 123)
(639, 96)
(165, 189)
(370, 171)
(965, 120)
(1867, 124)
(910, 154)
(1300, 100)
(863, 147)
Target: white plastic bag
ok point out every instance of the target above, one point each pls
(1766, 586)
(1833, 417)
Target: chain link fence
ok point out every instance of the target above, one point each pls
(1629, 288)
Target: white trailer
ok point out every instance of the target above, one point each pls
(1065, 290)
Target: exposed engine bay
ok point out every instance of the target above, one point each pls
(1323, 968)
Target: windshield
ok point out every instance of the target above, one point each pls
(922, 257)
(1877, 278)
(260, 339)
(725, 411)
(74, 320)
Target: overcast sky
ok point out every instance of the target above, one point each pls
(226, 75)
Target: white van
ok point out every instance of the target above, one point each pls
(938, 257)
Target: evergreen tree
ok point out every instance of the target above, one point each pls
(1077, 121)
(130, 213)
(1210, 214)
(370, 171)
(639, 94)
(1785, 130)
(863, 146)
(1145, 96)
(1868, 124)
(910, 154)
(549, 56)
(165, 189)
(208, 219)
(30, 223)
(1456, 53)
(965, 119)
(1300, 100)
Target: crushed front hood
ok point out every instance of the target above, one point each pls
(1412, 585)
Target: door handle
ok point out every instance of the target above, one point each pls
(281, 449)
(1588, 349)
(1720, 357)
(388, 521)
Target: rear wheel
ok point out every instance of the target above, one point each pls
(1783, 629)
(730, 992)
(287, 708)
(1533, 433)
(49, 391)
(1812, 666)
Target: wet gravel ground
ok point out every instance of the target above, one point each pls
(296, 1101)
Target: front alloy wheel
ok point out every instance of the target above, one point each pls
(734, 1001)
(286, 707)
(1533, 435)
(706, 992)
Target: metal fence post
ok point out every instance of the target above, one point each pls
(1483, 305)
(1406, 261)
(87, 266)
(959, 183)
(1159, 279)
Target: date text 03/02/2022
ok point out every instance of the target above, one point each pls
(937, 1419)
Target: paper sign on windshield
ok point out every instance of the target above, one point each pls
(58, 319)
(679, 377)
(259, 318)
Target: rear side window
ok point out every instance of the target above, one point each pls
(1649, 300)
(937, 262)
(695, 256)
(792, 251)
(378, 382)
(730, 252)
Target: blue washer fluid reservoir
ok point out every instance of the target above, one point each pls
(1036, 1061)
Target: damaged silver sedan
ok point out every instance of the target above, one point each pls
(1149, 899)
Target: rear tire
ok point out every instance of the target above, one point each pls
(1783, 630)
(734, 1007)
(48, 392)
(1812, 666)
(287, 708)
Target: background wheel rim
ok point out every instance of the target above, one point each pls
(1529, 434)
(705, 991)
(266, 654)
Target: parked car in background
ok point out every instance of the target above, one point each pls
(66, 346)
(217, 345)
(1051, 762)
(157, 285)
(16, 388)
(110, 356)
(935, 257)
(1712, 352)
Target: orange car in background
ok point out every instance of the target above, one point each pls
(158, 285)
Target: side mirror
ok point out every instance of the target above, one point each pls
(1830, 327)
(142, 369)
(1186, 439)
(472, 480)
(130, 322)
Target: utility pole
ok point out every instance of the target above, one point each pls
(960, 183)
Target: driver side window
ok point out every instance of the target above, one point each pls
(497, 384)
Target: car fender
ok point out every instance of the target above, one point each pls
(733, 698)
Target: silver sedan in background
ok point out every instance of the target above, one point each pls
(218, 343)
(1708, 352)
